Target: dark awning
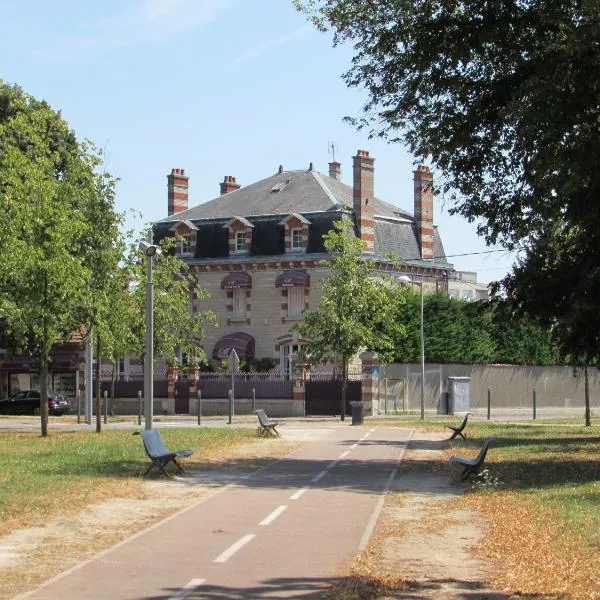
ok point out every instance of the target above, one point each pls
(239, 279)
(293, 278)
(18, 364)
(241, 342)
(64, 362)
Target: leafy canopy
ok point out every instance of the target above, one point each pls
(357, 307)
(504, 99)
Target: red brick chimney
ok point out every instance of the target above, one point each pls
(363, 194)
(229, 184)
(335, 170)
(423, 198)
(177, 191)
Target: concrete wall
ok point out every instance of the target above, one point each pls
(511, 387)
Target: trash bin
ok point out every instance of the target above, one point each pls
(358, 412)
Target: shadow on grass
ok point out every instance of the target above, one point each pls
(564, 461)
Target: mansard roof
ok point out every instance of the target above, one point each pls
(283, 193)
(317, 197)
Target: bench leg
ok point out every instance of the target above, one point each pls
(160, 465)
(177, 465)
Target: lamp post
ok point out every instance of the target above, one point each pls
(150, 250)
(406, 279)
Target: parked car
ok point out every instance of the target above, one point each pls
(28, 403)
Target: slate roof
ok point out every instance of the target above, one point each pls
(319, 198)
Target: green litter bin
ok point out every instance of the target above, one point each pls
(358, 412)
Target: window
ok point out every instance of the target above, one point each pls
(240, 241)
(239, 303)
(295, 302)
(186, 244)
(296, 239)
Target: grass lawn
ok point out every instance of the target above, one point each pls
(42, 477)
(542, 501)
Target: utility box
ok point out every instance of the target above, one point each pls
(459, 394)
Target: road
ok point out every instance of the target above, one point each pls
(282, 532)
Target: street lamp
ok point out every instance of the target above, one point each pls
(406, 279)
(150, 250)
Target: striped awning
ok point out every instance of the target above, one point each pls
(237, 279)
(293, 278)
(242, 343)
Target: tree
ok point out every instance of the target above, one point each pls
(176, 324)
(48, 190)
(357, 306)
(504, 99)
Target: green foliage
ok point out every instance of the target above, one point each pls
(503, 98)
(358, 305)
(175, 324)
(257, 365)
(521, 340)
(52, 228)
(457, 331)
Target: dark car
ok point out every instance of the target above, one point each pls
(28, 403)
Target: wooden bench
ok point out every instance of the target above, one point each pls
(158, 453)
(458, 429)
(265, 425)
(472, 466)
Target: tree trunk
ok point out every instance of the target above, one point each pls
(98, 370)
(44, 390)
(112, 390)
(344, 386)
(588, 420)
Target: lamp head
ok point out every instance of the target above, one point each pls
(149, 249)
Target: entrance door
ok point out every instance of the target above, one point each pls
(288, 351)
(182, 398)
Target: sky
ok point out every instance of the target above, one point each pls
(216, 87)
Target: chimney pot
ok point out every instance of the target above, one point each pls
(335, 170)
(177, 191)
(362, 195)
(229, 184)
(423, 208)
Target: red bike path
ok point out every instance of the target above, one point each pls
(282, 532)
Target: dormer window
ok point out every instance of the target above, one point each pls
(240, 235)
(186, 244)
(296, 239)
(186, 233)
(240, 241)
(296, 232)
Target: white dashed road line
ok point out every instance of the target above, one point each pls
(187, 589)
(268, 520)
(299, 493)
(225, 556)
(318, 477)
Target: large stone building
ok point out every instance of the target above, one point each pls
(257, 249)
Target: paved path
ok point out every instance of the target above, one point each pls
(282, 532)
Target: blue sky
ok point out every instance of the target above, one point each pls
(217, 87)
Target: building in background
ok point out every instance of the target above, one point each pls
(257, 249)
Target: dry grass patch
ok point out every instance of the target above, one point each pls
(539, 554)
(103, 511)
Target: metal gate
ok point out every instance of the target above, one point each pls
(182, 397)
(323, 397)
